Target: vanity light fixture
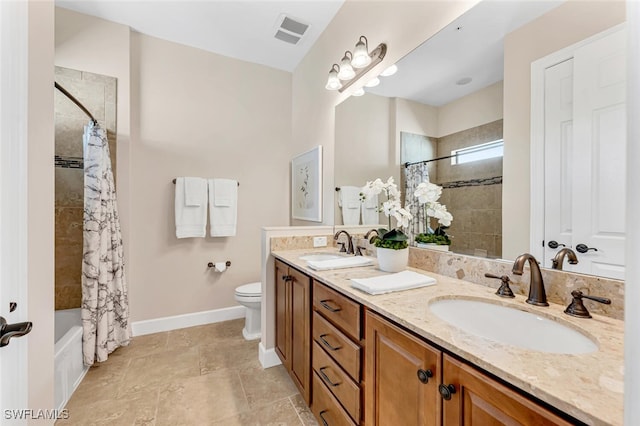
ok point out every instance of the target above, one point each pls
(373, 82)
(389, 71)
(333, 83)
(361, 56)
(344, 75)
(346, 70)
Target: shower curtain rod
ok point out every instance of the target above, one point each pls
(407, 164)
(74, 100)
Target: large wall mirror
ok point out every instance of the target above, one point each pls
(449, 95)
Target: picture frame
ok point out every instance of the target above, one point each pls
(306, 185)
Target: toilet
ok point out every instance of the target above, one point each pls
(250, 296)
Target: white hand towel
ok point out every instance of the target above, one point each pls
(370, 214)
(191, 221)
(349, 201)
(223, 207)
(195, 191)
(341, 263)
(404, 280)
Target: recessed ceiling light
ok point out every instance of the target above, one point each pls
(463, 81)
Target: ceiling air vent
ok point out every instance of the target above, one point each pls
(289, 29)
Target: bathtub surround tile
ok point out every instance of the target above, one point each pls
(158, 380)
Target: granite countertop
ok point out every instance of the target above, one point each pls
(588, 387)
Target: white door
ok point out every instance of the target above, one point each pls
(584, 157)
(558, 137)
(600, 155)
(13, 138)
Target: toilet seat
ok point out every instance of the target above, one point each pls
(250, 290)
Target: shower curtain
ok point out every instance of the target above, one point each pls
(414, 174)
(105, 304)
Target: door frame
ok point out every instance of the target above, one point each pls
(14, 32)
(538, 67)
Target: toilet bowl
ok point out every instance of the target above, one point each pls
(250, 296)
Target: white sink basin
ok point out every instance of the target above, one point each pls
(319, 257)
(512, 326)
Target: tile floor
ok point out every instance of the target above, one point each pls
(205, 375)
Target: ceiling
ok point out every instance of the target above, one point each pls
(239, 29)
(471, 46)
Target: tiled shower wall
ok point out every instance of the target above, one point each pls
(472, 192)
(98, 94)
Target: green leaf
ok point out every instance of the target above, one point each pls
(394, 235)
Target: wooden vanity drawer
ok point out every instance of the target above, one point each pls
(337, 345)
(326, 407)
(337, 381)
(340, 310)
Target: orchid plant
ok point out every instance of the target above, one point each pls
(428, 195)
(389, 238)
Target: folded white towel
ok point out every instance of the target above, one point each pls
(223, 207)
(343, 262)
(404, 280)
(370, 214)
(191, 221)
(195, 191)
(349, 200)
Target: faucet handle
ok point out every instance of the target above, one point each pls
(343, 249)
(504, 290)
(577, 309)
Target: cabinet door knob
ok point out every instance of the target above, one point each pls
(286, 277)
(424, 375)
(446, 391)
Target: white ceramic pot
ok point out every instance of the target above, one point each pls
(390, 260)
(433, 246)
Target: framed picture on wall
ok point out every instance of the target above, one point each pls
(306, 185)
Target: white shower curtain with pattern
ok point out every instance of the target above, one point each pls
(414, 174)
(105, 304)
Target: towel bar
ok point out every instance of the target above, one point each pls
(174, 182)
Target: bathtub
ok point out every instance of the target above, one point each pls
(69, 368)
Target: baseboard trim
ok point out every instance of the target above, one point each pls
(268, 357)
(157, 325)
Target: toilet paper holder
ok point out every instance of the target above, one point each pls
(212, 264)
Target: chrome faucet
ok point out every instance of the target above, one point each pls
(537, 295)
(349, 243)
(558, 259)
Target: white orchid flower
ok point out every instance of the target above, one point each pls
(427, 192)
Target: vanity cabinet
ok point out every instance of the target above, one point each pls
(403, 374)
(477, 399)
(293, 325)
(337, 357)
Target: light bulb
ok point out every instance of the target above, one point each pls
(358, 92)
(333, 82)
(346, 70)
(361, 56)
(373, 82)
(389, 71)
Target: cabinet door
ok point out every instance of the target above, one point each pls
(283, 320)
(395, 362)
(480, 400)
(301, 332)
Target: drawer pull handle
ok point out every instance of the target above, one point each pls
(326, 378)
(329, 307)
(321, 414)
(446, 391)
(327, 344)
(424, 375)
(286, 278)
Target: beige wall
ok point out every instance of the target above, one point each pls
(40, 201)
(480, 107)
(403, 25)
(202, 115)
(563, 26)
(186, 112)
